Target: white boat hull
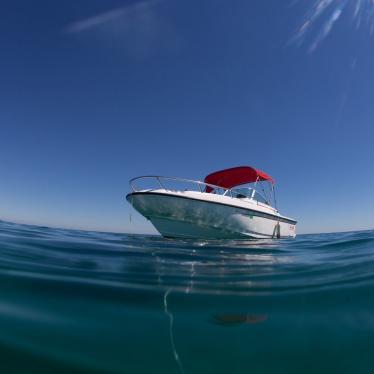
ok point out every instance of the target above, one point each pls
(188, 214)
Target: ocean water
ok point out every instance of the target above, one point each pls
(76, 302)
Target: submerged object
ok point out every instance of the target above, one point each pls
(215, 208)
(238, 319)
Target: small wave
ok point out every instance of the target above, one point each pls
(310, 261)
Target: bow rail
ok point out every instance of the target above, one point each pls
(160, 178)
(243, 192)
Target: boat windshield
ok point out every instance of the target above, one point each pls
(249, 193)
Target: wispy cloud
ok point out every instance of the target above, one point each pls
(328, 12)
(108, 16)
(326, 29)
(139, 29)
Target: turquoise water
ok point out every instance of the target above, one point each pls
(75, 301)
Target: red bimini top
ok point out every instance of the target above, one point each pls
(237, 176)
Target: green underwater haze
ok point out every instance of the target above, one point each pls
(78, 301)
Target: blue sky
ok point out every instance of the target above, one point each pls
(94, 93)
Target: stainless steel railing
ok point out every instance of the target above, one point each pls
(232, 192)
(160, 179)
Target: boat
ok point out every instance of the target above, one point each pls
(235, 203)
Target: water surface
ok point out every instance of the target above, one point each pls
(76, 301)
